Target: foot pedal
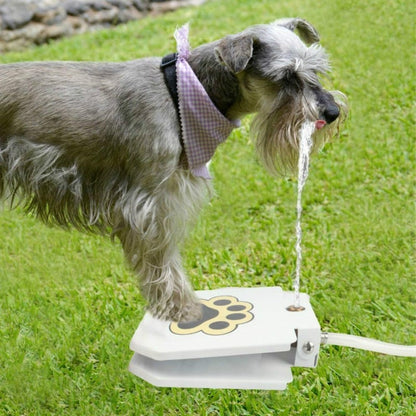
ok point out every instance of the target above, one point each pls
(246, 339)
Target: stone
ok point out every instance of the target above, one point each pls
(57, 31)
(46, 4)
(164, 6)
(78, 24)
(15, 16)
(121, 4)
(9, 35)
(75, 8)
(16, 45)
(103, 16)
(33, 32)
(99, 5)
(141, 5)
(50, 16)
(126, 15)
(30, 32)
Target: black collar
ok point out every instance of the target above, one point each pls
(168, 67)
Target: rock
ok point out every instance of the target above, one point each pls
(75, 8)
(15, 16)
(50, 16)
(33, 32)
(121, 4)
(99, 5)
(164, 6)
(126, 15)
(141, 5)
(57, 31)
(103, 16)
(15, 45)
(30, 32)
(9, 36)
(46, 4)
(78, 24)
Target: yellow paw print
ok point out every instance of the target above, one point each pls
(221, 315)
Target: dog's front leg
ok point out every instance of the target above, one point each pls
(162, 280)
(151, 237)
(165, 286)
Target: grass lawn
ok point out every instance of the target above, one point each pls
(68, 306)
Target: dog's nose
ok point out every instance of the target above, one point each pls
(331, 113)
(328, 108)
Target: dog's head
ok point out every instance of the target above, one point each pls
(278, 74)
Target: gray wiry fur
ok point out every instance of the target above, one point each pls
(96, 145)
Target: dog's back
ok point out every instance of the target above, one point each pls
(67, 128)
(82, 107)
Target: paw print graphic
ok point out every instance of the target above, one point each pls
(220, 315)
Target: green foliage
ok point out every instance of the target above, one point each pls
(68, 306)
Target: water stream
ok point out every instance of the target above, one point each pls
(305, 146)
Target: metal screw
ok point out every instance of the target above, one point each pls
(308, 347)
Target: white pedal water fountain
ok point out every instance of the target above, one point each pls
(247, 338)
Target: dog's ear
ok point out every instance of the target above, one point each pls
(235, 51)
(306, 31)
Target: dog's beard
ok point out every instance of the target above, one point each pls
(276, 131)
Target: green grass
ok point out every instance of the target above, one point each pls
(68, 306)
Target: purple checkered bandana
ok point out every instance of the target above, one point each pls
(203, 126)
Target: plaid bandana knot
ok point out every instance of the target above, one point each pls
(203, 126)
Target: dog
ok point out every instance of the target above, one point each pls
(101, 146)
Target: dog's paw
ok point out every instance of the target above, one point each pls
(171, 311)
(220, 315)
(191, 312)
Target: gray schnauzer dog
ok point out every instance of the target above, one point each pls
(98, 145)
